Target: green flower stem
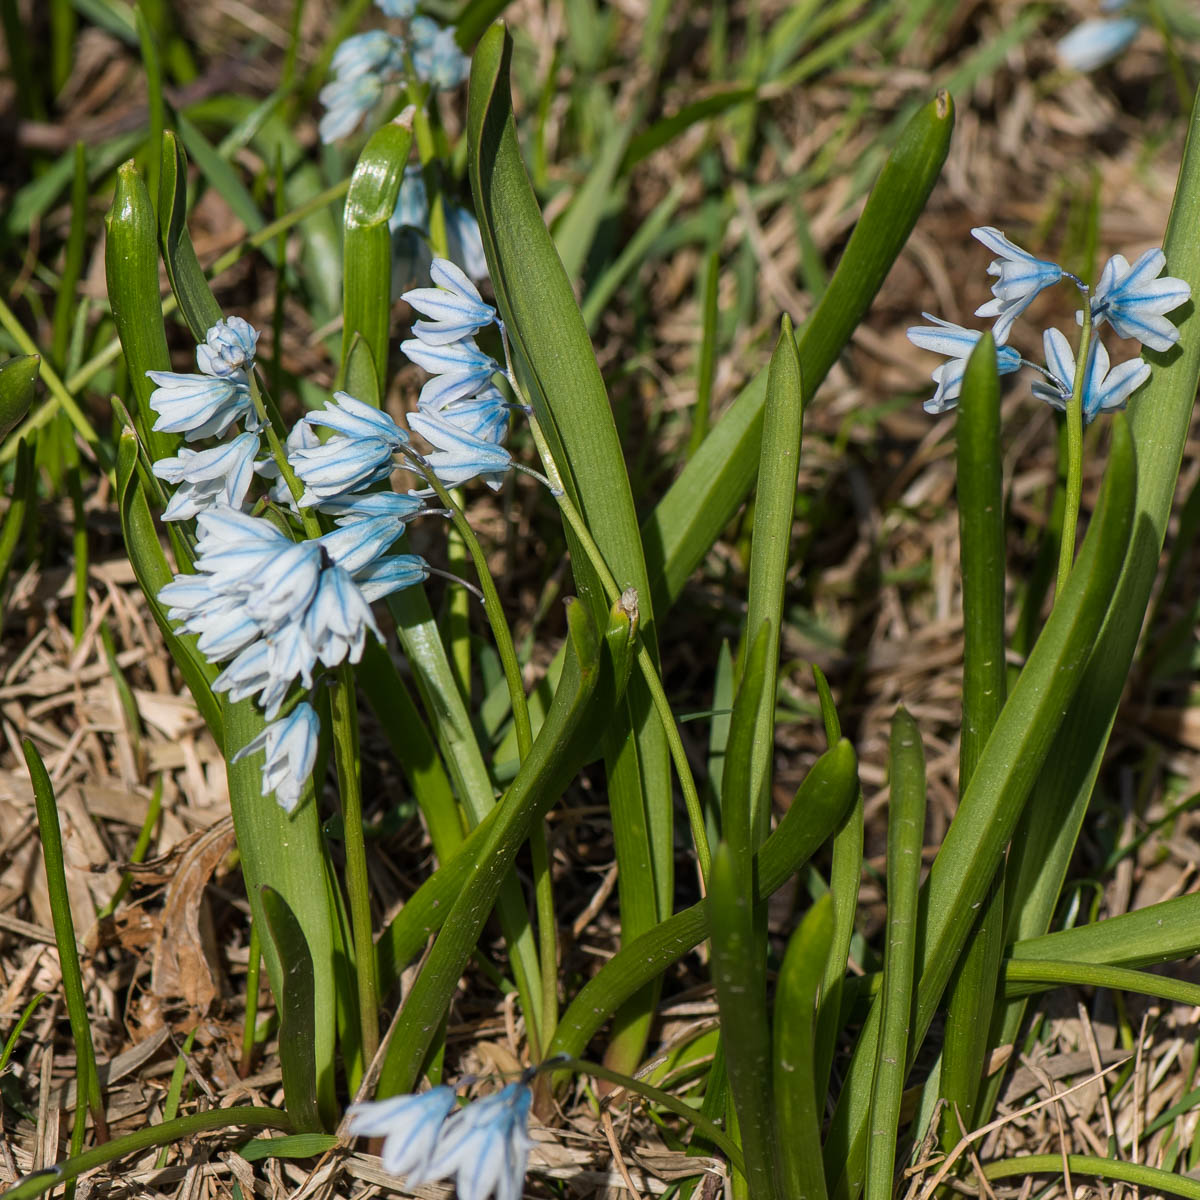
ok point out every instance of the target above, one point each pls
(1074, 415)
(253, 969)
(163, 1134)
(687, 784)
(345, 749)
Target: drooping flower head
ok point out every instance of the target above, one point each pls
(957, 343)
(1020, 277)
(409, 1126)
(204, 478)
(290, 750)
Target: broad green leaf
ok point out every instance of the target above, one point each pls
(770, 555)
(820, 804)
(18, 380)
(972, 992)
(196, 301)
(297, 1016)
(544, 774)
(367, 252)
(905, 836)
(798, 1105)
(739, 973)
(688, 519)
(992, 804)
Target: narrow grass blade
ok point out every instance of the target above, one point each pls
(820, 804)
(770, 552)
(1151, 1179)
(87, 1080)
(18, 381)
(739, 977)
(367, 252)
(66, 302)
(15, 1032)
(175, 1093)
(295, 1145)
(972, 992)
(162, 1134)
(297, 1016)
(997, 793)
(737, 780)
(152, 65)
(21, 502)
(688, 519)
(906, 832)
(539, 783)
(798, 1104)
(1038, 975)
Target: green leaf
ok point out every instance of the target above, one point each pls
(669, 128)
(798, 1104)
(1039, 974)
(131, 269)
(972, 992)
(739, 973)
(1150, 1179)
(297, 1016)
(905, 836)
(18, 379)
(820, 804)
(21, 502)
(543, 775)
(295, 1145)
(994, 799)
(196, 301)
(737, 786)
(700, 503)
(770, 552)
(367, 252)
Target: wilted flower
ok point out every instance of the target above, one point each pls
(1103, 389)
(1020, 278)
(1133, 299)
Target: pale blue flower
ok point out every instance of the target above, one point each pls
(409, 1126)
(346, 102)
(392, 574)
(302, 436)
(412, 203)
(459, 369)
(402, 10)
(352, 418)
(338, 619)
(355, 545)
(290, 745)
(1133, 299)
(454, 307)
(1103, 389)
(351, 507)
(1020, 278)
(465, 242)
(369, 53)
(484, 416)
(410, 218)
(485, 1146)
(437, 60)
(460, 456)
(229, 347)
(221, 475)
(944, 337)
(199, 406)
(1096, 41)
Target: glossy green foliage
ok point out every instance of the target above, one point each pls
(18, 381)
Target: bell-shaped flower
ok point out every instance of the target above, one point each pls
(371, 53)
(392, 574)
(465, 242)
(340, 465)
(290, 746)
(346, 102)
(355, 545)
(437, 59)
(352, 418)
(409, 1126)
(351, 507)
(459, 456)
(1133, 299)
(1103, 389)
(484, 416)
(944, 337)
(199, 406)
(402, 10)
(302, 436)
(459, 369)
(229, 347)
(485, 1146)
(338, 619)
(1096, 41)
(203, 478)
(1020, 278)
(454, 308)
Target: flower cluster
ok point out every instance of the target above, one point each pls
(273, 605)
(483, 1146)
(369, 65)
(1133, 300)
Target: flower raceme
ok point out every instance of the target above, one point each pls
(1133, 300)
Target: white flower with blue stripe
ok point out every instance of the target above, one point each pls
(944, 337)
(1134, 300)
(1020, 276)
(1103, 389)
(205, 478)
(290, 749)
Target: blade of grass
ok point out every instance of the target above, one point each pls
(175, 1093)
